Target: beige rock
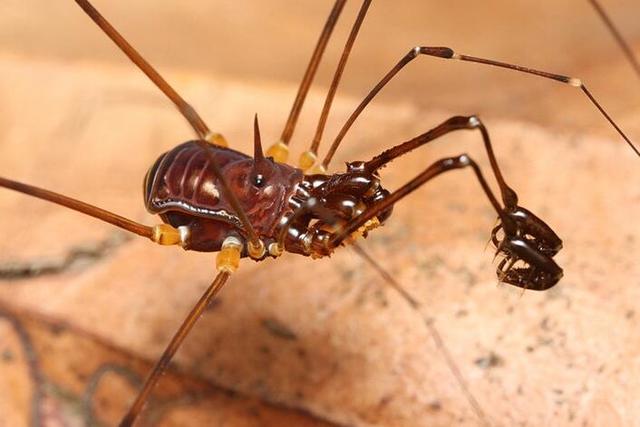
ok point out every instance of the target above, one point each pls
(354, 352)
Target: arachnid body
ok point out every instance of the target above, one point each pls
(316, 213)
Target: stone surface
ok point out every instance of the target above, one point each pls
(326, 337)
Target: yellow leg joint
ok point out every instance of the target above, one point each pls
(228, 258)
(256, 251)
(307, 159)
(164, 234)
(372, 224)
(276, 249)
(279, 151)
(318, 169)
(216, 139)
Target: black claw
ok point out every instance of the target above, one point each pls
(530, 241)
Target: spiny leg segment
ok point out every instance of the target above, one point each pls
(543, 271)
(522, 240)
(526, 237)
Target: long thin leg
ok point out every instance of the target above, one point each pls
(85, 208)
(521, 241)
(308, 158)
(176, 341)
(189, 113)
(163, 234)
(626, 49)
(326, 215)
(431, 327)
(448, 53)
(279, 150)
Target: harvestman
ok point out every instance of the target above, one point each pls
(214, 199)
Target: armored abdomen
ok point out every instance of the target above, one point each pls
(183, 180)
(182, 188)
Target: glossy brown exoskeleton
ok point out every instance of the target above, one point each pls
(280, 200)
(312, 214)
(213, 198)
(184, 191)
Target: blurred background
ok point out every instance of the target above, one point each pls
(273, 40)
(85, 310)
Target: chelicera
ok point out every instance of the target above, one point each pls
(212, 198)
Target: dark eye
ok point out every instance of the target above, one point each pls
(258, 180)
